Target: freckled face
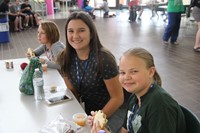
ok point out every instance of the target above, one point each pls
(42, 37)
(134, 76)
(78, 34)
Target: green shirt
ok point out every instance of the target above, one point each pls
(175, 6)
(159, 113)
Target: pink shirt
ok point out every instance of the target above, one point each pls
(133, 3)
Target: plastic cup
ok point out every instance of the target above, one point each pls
(80, 119)
(44, 67)
(7, 64)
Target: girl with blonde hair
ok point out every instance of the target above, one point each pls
(150, 108)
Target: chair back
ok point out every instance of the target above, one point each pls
(192, 121)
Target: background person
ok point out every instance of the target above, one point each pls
(106, 9)
(121, 3)
(48, 36)
(174, 9)
(27, 9)
(131, 5)
(12, 15)
(15, 13)
(25, 17)
(88, 8)
(90, 71)
(196, 15)
(150, 108)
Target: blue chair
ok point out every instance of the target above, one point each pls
(192, 121)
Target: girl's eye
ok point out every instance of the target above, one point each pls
(70, 31)
(41, 33)
(121, 73)
(82, 30)
(134, 71)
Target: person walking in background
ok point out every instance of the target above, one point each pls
(90, 71)
(174, 9)
(48, 36)
(133, 8)
(196, 15)
(150, 108)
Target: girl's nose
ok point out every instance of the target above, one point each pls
(127, 76)
(75, 35)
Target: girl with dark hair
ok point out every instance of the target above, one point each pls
(90, 71)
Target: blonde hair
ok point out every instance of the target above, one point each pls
(148, 59)
(51, 30)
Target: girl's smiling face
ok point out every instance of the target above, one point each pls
(78, 34)
(134, 76)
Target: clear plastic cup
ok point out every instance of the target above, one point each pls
(80, 119)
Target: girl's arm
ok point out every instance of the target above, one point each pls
(116, 96)
(39, 50)
(70, 87)
(57, 48)
(123, 130)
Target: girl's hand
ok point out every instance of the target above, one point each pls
(42, 60)
(91, 118)
(95, 127)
